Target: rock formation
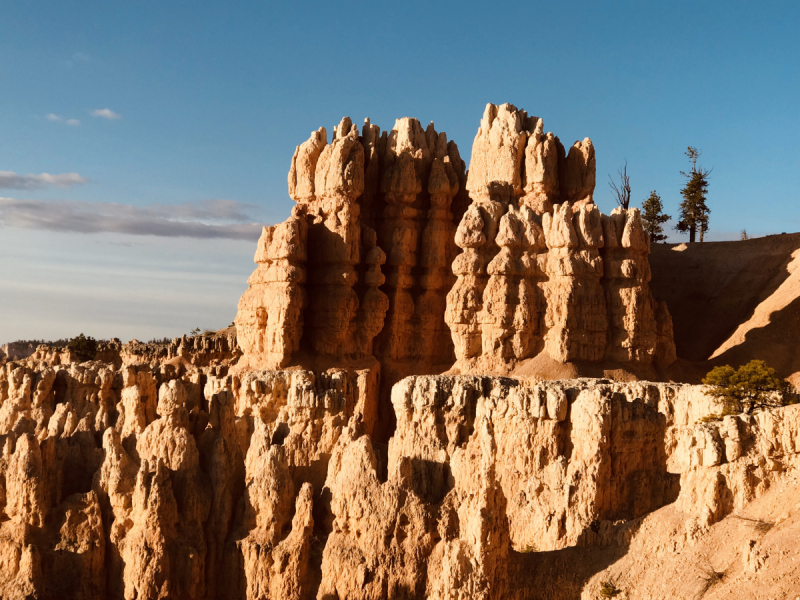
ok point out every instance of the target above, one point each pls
(133, 483)
(366, 253)
(330, 458)
(576, 315)
(531, 275)
(368, 263)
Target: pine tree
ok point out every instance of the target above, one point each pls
(694, 212)
(85, 348)
(653, 218)
(751, 386)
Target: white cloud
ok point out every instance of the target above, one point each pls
(209, 219)
(105, 113)
(59, 119)
(9, 179)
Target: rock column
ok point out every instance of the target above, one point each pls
(269, 321)
(495, 308)
(576, 309)
(638, 325)
(418, 184)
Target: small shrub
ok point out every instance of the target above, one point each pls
(711, 418)
(85, 348)
(751, 386)
(609, 590)
(759, 525)
(710, 577)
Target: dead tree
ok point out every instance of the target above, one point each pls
(623, 191)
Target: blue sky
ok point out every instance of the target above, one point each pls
(183, 116)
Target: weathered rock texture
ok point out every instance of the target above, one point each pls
(541, 268)
(192, 482)
(218, 348)
(365, 255)
(369, 265)
(182, 470)
(132, 483)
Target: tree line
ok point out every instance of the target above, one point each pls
(693, 209)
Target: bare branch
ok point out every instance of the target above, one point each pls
(623, 192)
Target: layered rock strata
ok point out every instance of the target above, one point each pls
(531, 274)
(366, 251)
(368, 262)
(130, 483)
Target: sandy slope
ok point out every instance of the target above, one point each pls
(751, 554)
(733, 301)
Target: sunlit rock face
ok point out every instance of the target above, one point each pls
(367, 429)
(541, 268)
(218, 482)
(394, 251)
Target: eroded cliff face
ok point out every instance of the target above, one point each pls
(542, 269)
(318, 452)
(362, 265)
(199, 483)
(394, 251)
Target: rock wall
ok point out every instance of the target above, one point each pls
(362, 265)
(206, 483)
(126, 483)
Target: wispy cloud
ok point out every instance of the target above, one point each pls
(59, 119)
(105, 113)
(208, 219)
(78, 57)
(15, 181)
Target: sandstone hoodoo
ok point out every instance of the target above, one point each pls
(541, 268)
(385, 254)
(362, 265)
(379, 431)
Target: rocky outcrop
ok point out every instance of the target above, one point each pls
(17, 350)
(532, 275)
(309, 466)
(640, 329)
(270, 316)
(134, 483)
(217, 348)
(308, 286)
(368, 264)
(365, 254)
